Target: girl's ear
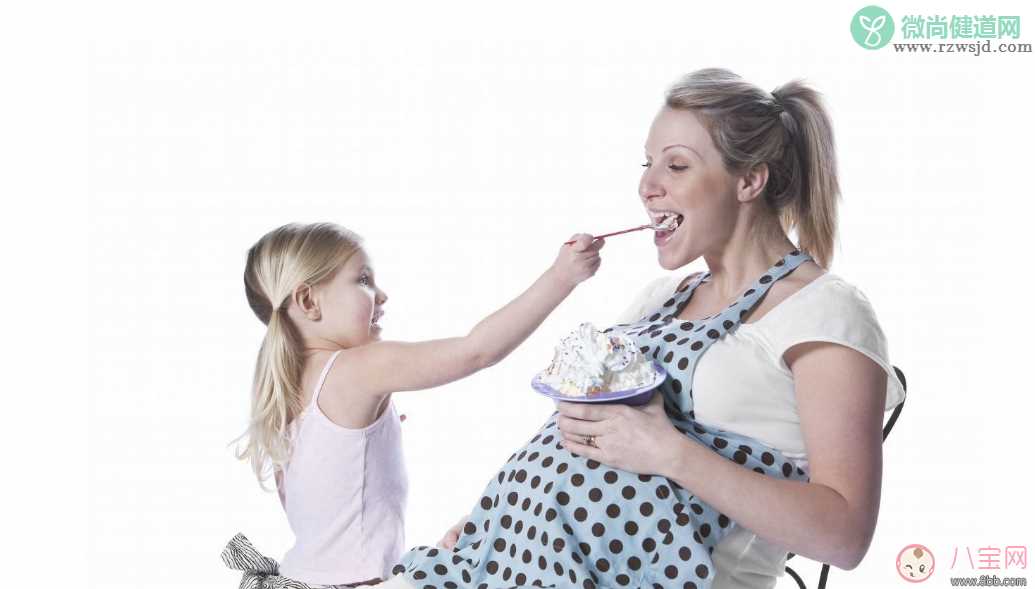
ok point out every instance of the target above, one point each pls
(303, 298)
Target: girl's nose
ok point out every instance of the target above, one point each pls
(382, 297)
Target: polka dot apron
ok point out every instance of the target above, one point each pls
(554, 519)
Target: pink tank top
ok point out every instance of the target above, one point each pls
(345, 497)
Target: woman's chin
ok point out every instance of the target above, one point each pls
(665, 262)
(673, 259)
(668, 257)
(670, 248)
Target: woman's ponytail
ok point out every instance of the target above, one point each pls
(814, 160)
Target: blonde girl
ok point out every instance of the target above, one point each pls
(322, 418)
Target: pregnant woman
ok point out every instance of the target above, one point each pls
(768, 444)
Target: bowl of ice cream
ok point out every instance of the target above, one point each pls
(590, 366)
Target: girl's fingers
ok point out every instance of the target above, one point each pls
(583, 241)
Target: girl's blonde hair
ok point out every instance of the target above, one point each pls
(789, 130)
(283, 259)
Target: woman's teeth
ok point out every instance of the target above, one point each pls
(668, 222)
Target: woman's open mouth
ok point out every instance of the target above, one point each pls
(667, 219)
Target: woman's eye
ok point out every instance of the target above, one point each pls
(672, 167)
(364, 279)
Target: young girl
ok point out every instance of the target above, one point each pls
(322, 417)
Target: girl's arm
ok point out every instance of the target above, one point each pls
(390, 366)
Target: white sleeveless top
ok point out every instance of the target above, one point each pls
(345, 497)
(743, 385)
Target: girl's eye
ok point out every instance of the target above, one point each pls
(645, 165)
(364, 279)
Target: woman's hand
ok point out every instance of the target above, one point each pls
(578, 261)
(634, 439)
(449, 540)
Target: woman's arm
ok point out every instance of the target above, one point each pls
(831, 519)
(840, 395)
(390, 366)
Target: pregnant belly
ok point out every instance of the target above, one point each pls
(562, 519)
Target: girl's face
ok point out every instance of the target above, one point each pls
(684, 175)
(351, 304)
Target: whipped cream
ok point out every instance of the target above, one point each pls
(668, 223)
(588, 362)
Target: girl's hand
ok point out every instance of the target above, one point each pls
(635, 439)
(449, 540)
(578, 261)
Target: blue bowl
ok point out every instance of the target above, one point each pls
(634, 397)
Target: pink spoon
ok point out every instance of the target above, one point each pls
(668, 224)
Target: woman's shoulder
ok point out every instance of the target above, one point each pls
(836, 310)
(828, 290)
(828, 307)
(818, 298)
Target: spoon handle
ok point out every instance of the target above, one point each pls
(615, 233)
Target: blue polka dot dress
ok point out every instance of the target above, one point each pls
(550, 518)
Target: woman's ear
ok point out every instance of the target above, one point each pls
(752, 182)
(304, 299)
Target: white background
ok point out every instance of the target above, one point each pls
(152, 146)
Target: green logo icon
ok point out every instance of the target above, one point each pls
(872, 27)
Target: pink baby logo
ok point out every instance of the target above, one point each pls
(915, 563)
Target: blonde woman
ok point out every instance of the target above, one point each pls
(322, 416)
(769, 443)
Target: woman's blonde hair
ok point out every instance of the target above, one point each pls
(789, 130)
(283, 259)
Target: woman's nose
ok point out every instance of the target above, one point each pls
(649, 188)
(382, 296)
